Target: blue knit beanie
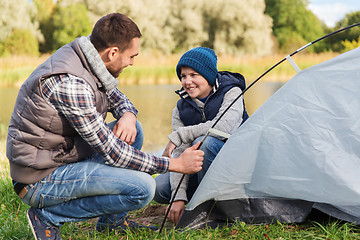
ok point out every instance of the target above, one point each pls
(202, 60)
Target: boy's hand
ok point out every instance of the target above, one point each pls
(169, 149)
(177, 209)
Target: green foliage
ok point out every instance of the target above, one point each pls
(349, 19)
(337, 41)
(45, 9)
(2, 49)
(66, 24)
(17, 14)
(349, 45)
(21, 42)
(293, 24)
(17, 20)
(289, 40)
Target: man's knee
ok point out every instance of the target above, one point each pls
(148, 185)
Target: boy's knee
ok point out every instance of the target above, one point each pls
(159, 197)
(212, 144)
(150, 186)
(163, 189)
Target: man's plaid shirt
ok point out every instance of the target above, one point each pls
(74, 99)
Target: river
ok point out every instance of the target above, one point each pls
(155, 104)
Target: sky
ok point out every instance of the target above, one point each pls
(331, 11)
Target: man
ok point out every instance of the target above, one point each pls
(65, 161)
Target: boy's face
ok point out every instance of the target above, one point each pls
(194, 84)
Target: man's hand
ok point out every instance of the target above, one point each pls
(125, 128)
(169, 149)
(189, 162)
(177, 209)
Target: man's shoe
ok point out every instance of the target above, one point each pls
(40, 230)
(122, 226)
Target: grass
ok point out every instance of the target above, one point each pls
(15, 69)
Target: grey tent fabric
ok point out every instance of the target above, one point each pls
(302, 145)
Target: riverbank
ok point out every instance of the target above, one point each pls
(151, 69)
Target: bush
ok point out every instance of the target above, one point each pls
(20, 42)
(68, 23)
(349, 45)
(290, 41)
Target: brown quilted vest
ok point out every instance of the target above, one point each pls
(39, 139)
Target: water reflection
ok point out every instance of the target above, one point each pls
(155, 104)
(7, 101)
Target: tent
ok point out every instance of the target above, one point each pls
(298, 152)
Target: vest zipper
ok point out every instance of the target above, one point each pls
(202, 109)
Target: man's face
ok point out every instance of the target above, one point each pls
(121, 60)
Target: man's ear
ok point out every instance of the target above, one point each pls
(112, 53)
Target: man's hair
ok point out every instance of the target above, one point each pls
(114, 30)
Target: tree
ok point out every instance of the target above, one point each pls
(293, 24)
(186, 24)
(21, 42)
(153, 23)
(230, 26)
(349, 45)
(233, 28)
(45, 10)
(16, 16)
(225, 26)
(150, 15)
(68, 23)
(173, 26)
(349, 36)
(349, 19)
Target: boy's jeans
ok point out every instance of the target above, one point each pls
(210, 147)
(89, 189)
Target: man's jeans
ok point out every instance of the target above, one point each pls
(89, 189)
(210, 147)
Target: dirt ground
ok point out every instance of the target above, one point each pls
(153, 214)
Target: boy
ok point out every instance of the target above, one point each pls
(204, 96)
